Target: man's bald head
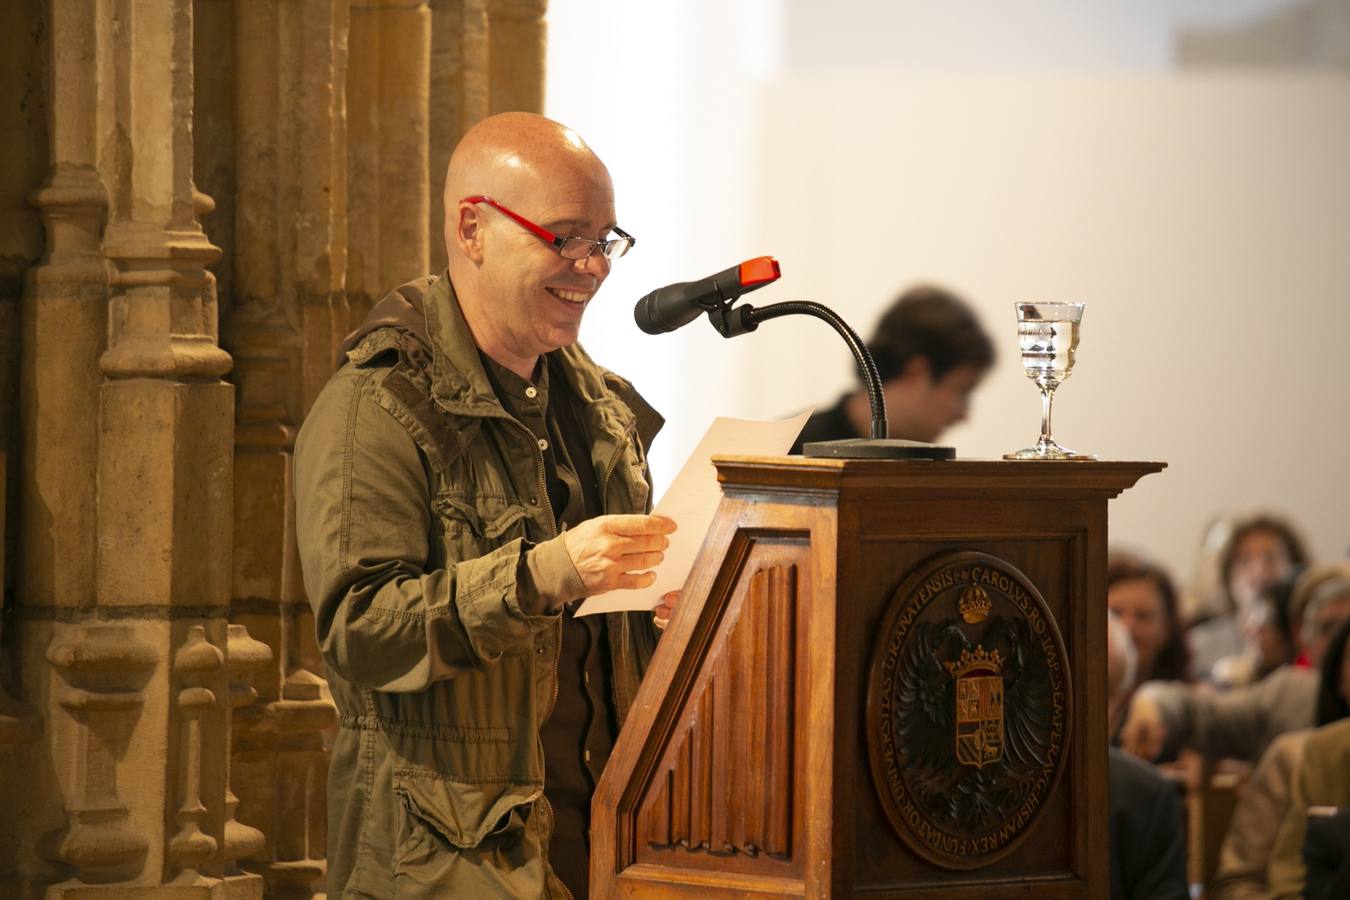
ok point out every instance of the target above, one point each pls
(508, 155)
(520, 297)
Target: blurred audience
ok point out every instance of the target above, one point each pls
(1260, 551)
(1264, 802)
(1241, 723)
(1148, 849)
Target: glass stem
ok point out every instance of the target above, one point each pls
(1047, 397)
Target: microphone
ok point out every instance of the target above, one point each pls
(667, 308)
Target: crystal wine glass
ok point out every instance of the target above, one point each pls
(1047, 334)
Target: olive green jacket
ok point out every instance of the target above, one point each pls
(417, 500)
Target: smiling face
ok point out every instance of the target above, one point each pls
(534, 296)
(520, 298)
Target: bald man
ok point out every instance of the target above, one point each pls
(466, 477)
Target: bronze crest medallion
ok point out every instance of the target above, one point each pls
(968, 706)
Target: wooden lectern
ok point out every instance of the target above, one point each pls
(885, 678)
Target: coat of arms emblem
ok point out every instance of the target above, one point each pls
(979, 707)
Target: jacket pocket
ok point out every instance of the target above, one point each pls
(474, 525)
(486, 517)
(467, 837)
(464, 814)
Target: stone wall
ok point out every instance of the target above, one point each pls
(207, 195)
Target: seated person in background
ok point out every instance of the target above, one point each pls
(1260, 551)
(1264, 801)
(1148, 849)
(931, 353)
(1141, 594)
(1322, 780)
(1268, 628)
(1241, 723)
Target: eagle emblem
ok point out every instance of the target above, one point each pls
(968, 709)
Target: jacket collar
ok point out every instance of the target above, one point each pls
(460, 386)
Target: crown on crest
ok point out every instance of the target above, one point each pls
(974, 604)
(980, 661)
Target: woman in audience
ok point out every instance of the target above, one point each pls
(1142, 596)
(1264, 801)
(1261, 550)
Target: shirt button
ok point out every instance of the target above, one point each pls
(543, 444)
(587, 755)
(531, 392)
(534, 501)
(539, 650)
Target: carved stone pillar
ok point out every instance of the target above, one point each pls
(459, 97)
(388, 115)
(126, 477)
(517, 38)
(285, 318)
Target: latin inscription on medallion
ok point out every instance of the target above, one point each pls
(967, 709)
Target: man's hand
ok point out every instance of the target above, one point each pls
(613, 552)
(1143, 733)
(665, 609)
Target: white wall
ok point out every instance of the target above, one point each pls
(871, 144)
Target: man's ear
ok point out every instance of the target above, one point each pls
(917, 370)
(467, 232)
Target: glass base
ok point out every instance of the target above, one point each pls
(1048, 450)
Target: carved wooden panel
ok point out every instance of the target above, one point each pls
(726, 786)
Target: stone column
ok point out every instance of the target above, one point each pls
(458, 96)
(63, 322)
(126, 484)
(286, 316)
(388, 115)
(24, 66)
(517, 39)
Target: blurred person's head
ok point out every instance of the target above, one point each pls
(1318, 605)
(931, 354)
(1143, 597)
(1268, 628)
(1122, 664)
(1260, 551)
(1333, 695)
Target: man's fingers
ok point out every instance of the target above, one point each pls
(630, 580)
(632, 525)
(636, 562)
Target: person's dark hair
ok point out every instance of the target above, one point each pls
(1331, 706)
(1277, 597)
(1174, 657)
(935, 324)
(1262, 522)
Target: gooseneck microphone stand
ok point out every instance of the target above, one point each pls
(731, 321)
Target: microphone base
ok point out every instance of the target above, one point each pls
(877, 448)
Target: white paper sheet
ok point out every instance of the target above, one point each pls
(692, 501)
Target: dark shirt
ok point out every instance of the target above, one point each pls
(579, 733)
(829, 425)
(1148, 850)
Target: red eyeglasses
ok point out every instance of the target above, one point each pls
(567, 247)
